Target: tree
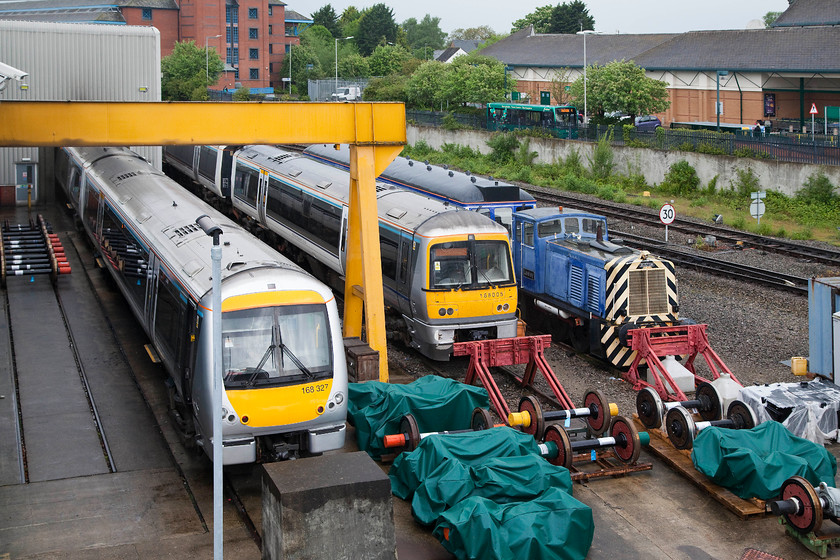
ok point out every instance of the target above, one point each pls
(770, 17)
(426, 84)
(242, 94)
(621, 86)
(301, 57)
(475, 79)
(481, 33)
(187, 69)
(570, 18)
(353, 66)
(425, 34)
(387, 88)
(349, 21)
(376, 25)
(327, 18)
(559, 87)
(387, 59)
(539, 18)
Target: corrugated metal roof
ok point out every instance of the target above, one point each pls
(810, 12)
(790, 49)
(525, 48)
(802, 49)
(39, 5)
(292, 15)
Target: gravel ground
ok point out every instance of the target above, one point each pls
(752, 328)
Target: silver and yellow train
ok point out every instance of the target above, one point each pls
(447, 273)
(285, 376)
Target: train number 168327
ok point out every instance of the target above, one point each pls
(320, 388)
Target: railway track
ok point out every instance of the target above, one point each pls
(710, 265)
(729, 235)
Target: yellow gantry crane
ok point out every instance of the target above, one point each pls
(375, 132)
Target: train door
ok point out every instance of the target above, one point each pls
(262, 195)
(404, 272)
(342, 242)
(527, 257)
(195, 155)
(225, 166)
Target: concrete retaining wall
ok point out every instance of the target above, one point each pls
(786, 178)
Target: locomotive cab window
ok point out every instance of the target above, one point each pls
(590, 226)
(550, 228)
(245, 184)
(271, 346)
(469, 264)
(571, 226)
(528, 234)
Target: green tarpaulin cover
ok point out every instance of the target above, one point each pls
(755, 463)
(553, 525)
(410, 470)
(437, 403)
(501, 479)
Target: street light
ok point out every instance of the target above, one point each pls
(213, 230)
(584, 33)
(337, 39)
(720, 73)
(207, 58)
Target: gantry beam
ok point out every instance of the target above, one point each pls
(375, 131)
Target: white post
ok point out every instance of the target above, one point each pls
(337, 39)
(213, 230)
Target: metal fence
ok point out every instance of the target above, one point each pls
(783, 146)
(321, 90)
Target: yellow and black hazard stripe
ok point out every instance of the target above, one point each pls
(640, 289)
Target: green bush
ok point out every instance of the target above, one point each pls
(502, 145)
(745, 182)
(739, 222)
(573, 163)
(707, 148)
(817, 189)
(686, 147)
(242, 94)
(711, 187)
(601, 163)
(451, 123)
(524, 156)
(681, 179)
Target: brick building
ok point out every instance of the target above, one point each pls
(251, 36)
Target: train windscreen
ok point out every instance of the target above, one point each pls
(470, 265)
(270, 346)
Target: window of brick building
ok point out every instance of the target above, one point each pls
(254, 73)
(253, 13)
(254, 54)
(253, 33)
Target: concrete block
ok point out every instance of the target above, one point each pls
(333, 506)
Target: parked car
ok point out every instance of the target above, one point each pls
(648, 122)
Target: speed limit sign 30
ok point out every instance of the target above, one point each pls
(667, 214)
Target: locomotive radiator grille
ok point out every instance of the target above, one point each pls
(648, 292)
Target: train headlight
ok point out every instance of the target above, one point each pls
(505, 307)
(450, 311)
(228, 416)
(339, 397)
(442, 311)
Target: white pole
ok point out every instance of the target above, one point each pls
(207, 58)
(211, 229)
(336, 65)
(585, 112)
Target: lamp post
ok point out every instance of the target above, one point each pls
(717, 102)
(337, 39)
(584, 33)
(211, 229)
(207, 58)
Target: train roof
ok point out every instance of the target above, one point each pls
(398, 206)
(164, 213)
(438, 181)
(545, 212)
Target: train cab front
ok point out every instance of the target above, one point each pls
(471, 293)
(285, 384)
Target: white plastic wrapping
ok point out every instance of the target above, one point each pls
(812, 407)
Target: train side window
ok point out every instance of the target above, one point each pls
(245, 185)
(75, 181)
(404, 252)
(590, 226)
(327, 219)
(504, 216)
(207, 162)
(528, 234)
(571, 225)
(388, 245)
(169, 314)
(550, 228)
